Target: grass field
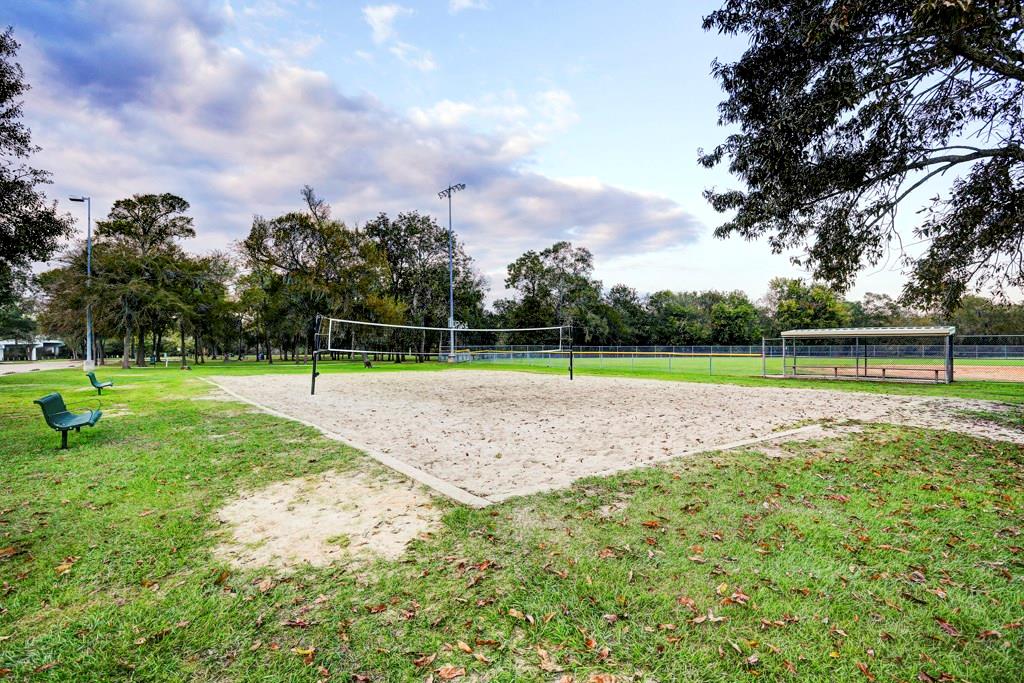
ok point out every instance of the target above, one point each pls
(891, 554)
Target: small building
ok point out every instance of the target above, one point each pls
(38, 349)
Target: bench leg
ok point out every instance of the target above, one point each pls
(64, 439)
(99, 391)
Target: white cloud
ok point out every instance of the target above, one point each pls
(413, 56)
(381, 19)
(456, 6)
(524, 123)
(236, 137)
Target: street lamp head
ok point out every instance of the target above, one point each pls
(78, 199)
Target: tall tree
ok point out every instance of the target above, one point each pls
(30, 227)
(554, 287)
(794, 304)
(135, 245)
(627, 318)
(845, 107)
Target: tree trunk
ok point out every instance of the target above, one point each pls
(140, 351)
(184, 353)
(126, 352)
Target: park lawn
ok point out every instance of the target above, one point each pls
(890, 554)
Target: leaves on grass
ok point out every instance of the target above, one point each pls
(546, 662)
(709, 618)
(65, 566)
(947, 627)
(425, 660)
(449, 672)
(864, 670)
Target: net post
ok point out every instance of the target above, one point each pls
(571, 351)
(316, 352)
(764, 360)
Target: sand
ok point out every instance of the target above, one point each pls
(501, 434)
(343, 517)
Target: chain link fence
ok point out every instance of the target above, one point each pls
(983, 358)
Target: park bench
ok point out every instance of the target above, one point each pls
(59, 418)
(98, 385)
(861, 372)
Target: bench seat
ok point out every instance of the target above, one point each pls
(96, 384)
(60, 419)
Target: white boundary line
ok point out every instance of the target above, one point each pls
(430, 481)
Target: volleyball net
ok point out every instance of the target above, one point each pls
(369, 342)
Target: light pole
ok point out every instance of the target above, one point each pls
(447, 193)
(89, 363)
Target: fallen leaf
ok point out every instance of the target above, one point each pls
(464, 647)
(9, 551)
(65, 566)
(449, 672)
(425, 660)
(864, 670)
(947, 627)
(546, 663)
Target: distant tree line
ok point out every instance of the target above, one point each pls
(150, 296)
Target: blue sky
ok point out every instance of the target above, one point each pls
(567, 120)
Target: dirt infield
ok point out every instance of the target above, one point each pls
(499, 434)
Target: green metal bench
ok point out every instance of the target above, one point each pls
(96, 384)
(62, 420)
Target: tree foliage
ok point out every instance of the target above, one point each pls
(844, 108)
(30, 227)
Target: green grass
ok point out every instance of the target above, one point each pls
(900, 550)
